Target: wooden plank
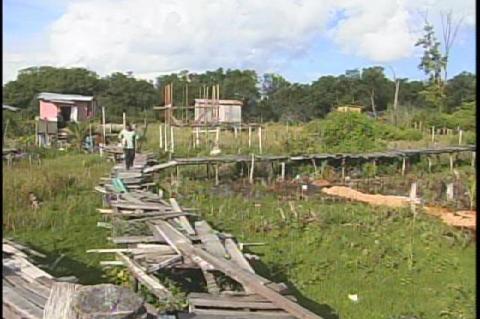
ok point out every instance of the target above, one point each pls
(209, 239)
(236, 255)
(20, 305)
(134, 239)
(182, 220)
(225, 304)
(247, 279)
(59, 304)
(152, 283)
(245, 314)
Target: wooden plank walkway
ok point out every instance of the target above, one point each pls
(405, 153)
(194, 244)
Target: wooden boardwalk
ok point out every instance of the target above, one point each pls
(406, 153)
(177, 238)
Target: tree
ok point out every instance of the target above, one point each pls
(449, 32)
(432, 61)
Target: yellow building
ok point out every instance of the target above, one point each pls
(350, 108)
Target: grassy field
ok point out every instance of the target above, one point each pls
(65, 224)
(276, 139)
(396, 264)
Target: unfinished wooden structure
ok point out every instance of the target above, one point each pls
(179, 239)
(208, 115)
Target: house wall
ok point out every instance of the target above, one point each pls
(226, 114)
(48, 110)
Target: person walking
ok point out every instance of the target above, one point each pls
(128, 137)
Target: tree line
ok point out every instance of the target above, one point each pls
(267, 97)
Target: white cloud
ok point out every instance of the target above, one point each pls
(152, 37)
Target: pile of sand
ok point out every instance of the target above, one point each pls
(464, 219)
(377, 200)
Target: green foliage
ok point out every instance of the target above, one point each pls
(349, 249)
(432, 62)
(350, 132)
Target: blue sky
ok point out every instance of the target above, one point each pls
(301, 40)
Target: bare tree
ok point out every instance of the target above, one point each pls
(449, 32)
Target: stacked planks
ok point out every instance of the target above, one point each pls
(26, 288)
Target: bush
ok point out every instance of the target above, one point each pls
(348, 132)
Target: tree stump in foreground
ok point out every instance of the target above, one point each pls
(107, 301)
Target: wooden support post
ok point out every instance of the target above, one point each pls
(451, 162)
(160, 128)
(460, 135)
(433, 134)
(283, 171)
(217, 181)
(124, 120)
(172, 140)
(252, 167)
(413, 192)
(103, 130)
(235, 132)
(249, 136)
(36, 133)
(165, 135)
(429, 164)
(314, 166)
(197, 136)
(343, 169)
(217, 137)
(473, 159)
(450, 191)
(260, 139)
(374, 163)
(403, 165)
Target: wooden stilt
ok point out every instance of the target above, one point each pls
(249, 136)
(217, 182)
(451, 162)
(160, 135)
(343, 169)
(429, 164)
(473, 159)
(314, 166)
(252, 167)
(282, 164)
(433, 134)
(172, 140)
(197, 136)
(124, 120)
(460, 135)
(260, 139)
(403, 165)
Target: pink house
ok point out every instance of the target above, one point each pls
(71, 108)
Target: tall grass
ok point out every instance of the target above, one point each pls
(66, 221)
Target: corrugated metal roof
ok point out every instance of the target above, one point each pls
(67, 97)
(10, 108)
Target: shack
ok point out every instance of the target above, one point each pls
(210, 111)
(67, 107)
(57, 110)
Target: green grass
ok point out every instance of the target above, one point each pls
(395, 264)
(66, 221)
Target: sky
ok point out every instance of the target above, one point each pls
(298, 39)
